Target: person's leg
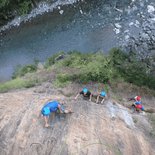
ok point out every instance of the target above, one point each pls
(138, 108)
(142, 108)
(103, 98)
(53, 115)
(46, 118)
(90, 97)
(97, 98)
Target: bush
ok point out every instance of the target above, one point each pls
(93, 67)
(52, 60)
(24, 7)
(132, 68)
(76, 59)
(62, 80)
(3, 3)
(117, 57)
(21, 71)
(16, 84)
(98, 69)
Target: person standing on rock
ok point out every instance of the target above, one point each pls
(86, 94)
(51, 107)
(102, 95)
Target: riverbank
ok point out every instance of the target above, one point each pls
(64, 68)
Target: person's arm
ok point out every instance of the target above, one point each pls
(68, 111)
(131, 99)
(90, 96)
(97, 99)
(77, 96)
(59, 107)
(46, 118)
(103, 100)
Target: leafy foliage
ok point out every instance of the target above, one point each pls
(91, 67)
(117, 65)
(62, 80)
(21, 71)
(24, 7)
(16, 84)
(132, 69)
(98, 69)
(53, 59)
(11, 8)
(3, 3)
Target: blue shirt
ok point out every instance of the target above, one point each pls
(138, 102)
(103, 93)
(53, 105)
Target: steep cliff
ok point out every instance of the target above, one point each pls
(108, 129)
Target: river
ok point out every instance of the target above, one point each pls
(86, 26)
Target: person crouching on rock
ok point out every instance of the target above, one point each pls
(86, 94)
(101, 95)
(51, 107)
(138, 106)
(138, 103)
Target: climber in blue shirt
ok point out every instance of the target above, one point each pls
(102, 95)
(86, 94)
(51, 107)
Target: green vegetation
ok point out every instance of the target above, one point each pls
(51, 60)
(118, 65)
(11, 8)
(29, 80)
(88, 67)
(133, 69)
(62, 80)
(16, 83)
(3, 3)
(24, 7)
(21, 71)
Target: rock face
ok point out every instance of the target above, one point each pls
(92, 129)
